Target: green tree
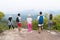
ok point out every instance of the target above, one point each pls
(56, 20)
(1, 15)
(1, 26)
(46, 21)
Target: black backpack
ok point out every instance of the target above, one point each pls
(17, 20)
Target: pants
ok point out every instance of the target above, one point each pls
(49, 25)
(29, 27)
(11, 26)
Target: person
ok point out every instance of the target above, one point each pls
(19, 22)
(29, 23)
(40, 22)
(50, 21)
(10, 22)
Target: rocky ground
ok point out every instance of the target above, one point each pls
(34, 35)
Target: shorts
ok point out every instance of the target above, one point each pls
(19, 24)
(40, 24)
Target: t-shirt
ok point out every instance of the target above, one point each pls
(18, 19)
(39, 17)
(10, 22)
(29, 20)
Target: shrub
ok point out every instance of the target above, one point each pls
(24, 24)
(1, 30)
(45, 23)
(3, 26)
(34, 25)
(57, 22)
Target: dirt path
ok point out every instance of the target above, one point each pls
(24, 35)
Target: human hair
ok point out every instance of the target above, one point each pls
(50, 16)
(10, 18)
(40, 13)
(18, 14)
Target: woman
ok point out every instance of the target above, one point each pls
(29, 23)
(50, 21)
(10, 22)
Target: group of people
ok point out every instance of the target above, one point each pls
(40, 20)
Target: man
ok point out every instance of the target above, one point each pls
(19, 23)
(40, 22)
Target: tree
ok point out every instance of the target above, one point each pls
(46, 21)
(56, 21)
(1, 15)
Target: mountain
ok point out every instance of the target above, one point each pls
(25, 13)
(15, 15)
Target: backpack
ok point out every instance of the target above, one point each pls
(41, 20)
(17, 20)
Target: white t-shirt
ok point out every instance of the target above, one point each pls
(19, 19)
(39, 16)
(29, 20)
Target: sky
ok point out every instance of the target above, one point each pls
(20, 5)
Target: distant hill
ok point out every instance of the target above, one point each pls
(24, 14)
(15, 15)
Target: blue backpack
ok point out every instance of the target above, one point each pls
(41, 20)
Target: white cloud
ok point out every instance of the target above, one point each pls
(14, 5)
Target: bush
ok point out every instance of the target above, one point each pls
(1, 30)
(45, 23)
(34, 25)
(24, 24)
(3, 26)
(56, 20)
(1, 15)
